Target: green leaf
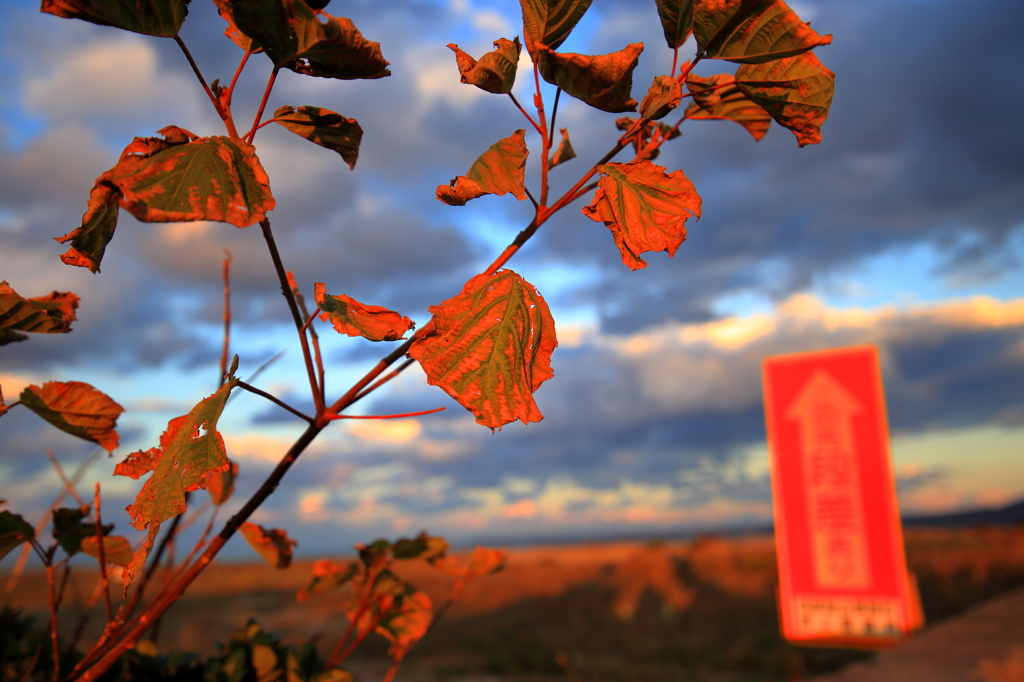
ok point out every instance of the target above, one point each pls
(273, 545)
(69, 530)
(325, 128)
(548, 22)
(644, 207)
(51, 314)
(352, 318)
(564, 151)
(150, 17)
(663, 97)
(726, 102)
(796, 91)
(191, 451)
(89, 241)
(14, 530)
(603, 81)
(751, 31)
(495, 72)
(676, 20)
(76, 408)
(499, 170)
(491, 348)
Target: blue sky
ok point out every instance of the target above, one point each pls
(904, 229)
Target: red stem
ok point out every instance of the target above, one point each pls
(385, 416)
(225, 114)
(102, 558)
(263, 105)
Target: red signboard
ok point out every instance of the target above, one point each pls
(843, 578)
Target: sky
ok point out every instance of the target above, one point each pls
(903, 229)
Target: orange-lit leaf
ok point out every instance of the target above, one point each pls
(481, 562)
(422, 546)
(499, 170)
(325, 128)
(644, 207)
(150, 17)
(495, 72)
(797, 92)
(649, 128)
(564, 151)
(676, 20)
(751, 31)
(273, 545)
(326, 576)
(222, 484)
(491, 348)
(352, 318)
(138, 464)
(663, 97)
(76, 408)
(138, 559)
(237, 37)
(407, 624)
(116, 549)
(548, 22)
(602, 81)
(89, 241)
(14, 530)
(726, 103)
(191, 451)
(50, 314)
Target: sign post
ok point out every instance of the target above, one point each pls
(843, 578)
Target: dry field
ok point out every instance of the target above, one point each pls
(702, 610)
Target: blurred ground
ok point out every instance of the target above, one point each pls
(619, 612)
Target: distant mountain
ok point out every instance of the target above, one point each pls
(1002, 516)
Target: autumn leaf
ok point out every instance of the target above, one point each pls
(640, 138)
(222, 484)
(191, 451)
(273, 545)
(116, 549)
(499, 170)
(564, 151)
(676, 20)
(645, 208)
(406, 625)
(548, 22)
(495, 72)
(14, 530)
(325, 128)
(89, 241)
(352, 318)
(796, 92)
(161, 18)
(76, 408)
(69, 530)
(224, 8)
(482, 561)
(326, 576)
(603, 81)
(50, 314)
(138, 559)
(491, 348)
(751, 31)
(726, 102)
(664, 96)
(422, 546)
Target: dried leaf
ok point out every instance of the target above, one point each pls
(602, 81)
(645, 208)
(226, 12)
(222, 484)
(76, 408)
(491, 348)
(726, 103)
(325, 128)
(407, 624)
(89, 241)
(564, 151)
(664, 96)
(548, 22)
(326, 576)
(352, 318)
(69, 530)
(14, 530)
(796, 92)
(676, 20)
(150, 17)
(273, 545)
(116, 549)
(499, 170)
(139, 558)
(138, 464)
(751, 31)
(495, 72)
(50, 314)
(191, 451)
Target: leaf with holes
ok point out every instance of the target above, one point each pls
(76, 408)
(727, 102)
(273, 545)
(548, 22)
(796, 92)
(751, 31)
(602, 81)
(116, 549)
(676, 20)
(50, 314)
(499, 170)
(663, 96)
(352, 318)
(14, 530)
(495, 72)
(325, 128)
(565, 151)
(644, 207)
(491, 348)
(161, 18)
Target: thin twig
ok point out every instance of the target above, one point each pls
(385, 416)
(64, 479)
(530, 195)
(102, 557)
(263, 105)
(386, 378)
(554, 113)
(227, 317)
(309, 321)
(234, 79)
(525, 113)
(224, 114)
(52, 600)
(277, 401)
(314, 337)
(538, 102)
